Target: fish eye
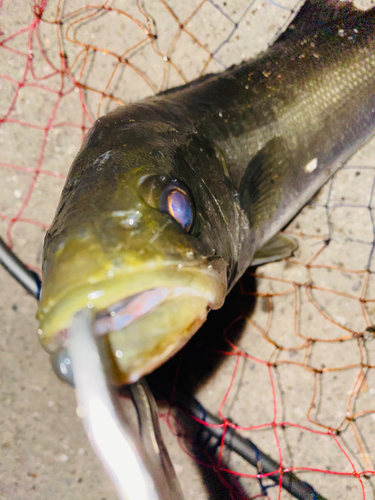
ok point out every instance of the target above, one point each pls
(170, 196)
(179, 206)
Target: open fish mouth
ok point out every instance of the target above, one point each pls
(121, 314)
(144, 325)
(128, 310)
(146, 329)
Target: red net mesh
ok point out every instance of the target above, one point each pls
(300, 380)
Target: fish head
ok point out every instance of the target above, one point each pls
(133, 239)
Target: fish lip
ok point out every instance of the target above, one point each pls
(213, 273)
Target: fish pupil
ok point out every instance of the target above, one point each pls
(180, 209)
(170, 196)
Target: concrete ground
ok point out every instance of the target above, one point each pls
(309, 311)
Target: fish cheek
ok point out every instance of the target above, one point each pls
(197, 165)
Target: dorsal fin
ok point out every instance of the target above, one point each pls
(317, 14)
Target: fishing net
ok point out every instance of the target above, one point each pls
(289, 363)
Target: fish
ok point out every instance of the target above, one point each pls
(170, 199)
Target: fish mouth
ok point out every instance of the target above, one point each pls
(147, 317)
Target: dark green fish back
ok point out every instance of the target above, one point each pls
(282, 124)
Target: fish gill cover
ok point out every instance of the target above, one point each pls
(290, 359)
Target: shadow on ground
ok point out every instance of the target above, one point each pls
(194, 365)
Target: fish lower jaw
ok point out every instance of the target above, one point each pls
(158, 340)
(146, 329)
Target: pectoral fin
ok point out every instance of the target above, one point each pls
(261, 187)
(278, 247)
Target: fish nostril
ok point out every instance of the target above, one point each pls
(129, 219)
